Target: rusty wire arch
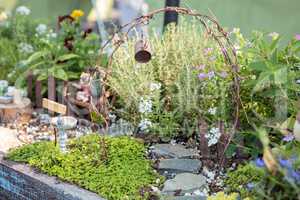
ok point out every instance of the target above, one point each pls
(212, 28)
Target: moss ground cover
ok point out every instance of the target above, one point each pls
(117, 176)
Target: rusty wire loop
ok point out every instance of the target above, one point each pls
(215, 31)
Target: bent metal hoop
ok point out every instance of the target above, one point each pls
(212, 28)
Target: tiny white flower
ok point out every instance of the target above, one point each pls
(25, 48)
(274, 35)
(213, 136)
(155, 86)
(41, 29)
(145, 124)
(23, 10)
(145, 105)
(212, 111)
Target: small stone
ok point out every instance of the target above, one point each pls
(155, 189)
(186, 197)
(179, 165)
(185, 182)
(173, 151)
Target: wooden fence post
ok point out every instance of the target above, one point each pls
(204, 149)
(38, 94)
(51, 90)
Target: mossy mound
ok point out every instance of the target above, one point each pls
(116, 172)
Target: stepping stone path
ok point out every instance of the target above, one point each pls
(181, 167)
(185, 183)
(173, 151)
(172, 166)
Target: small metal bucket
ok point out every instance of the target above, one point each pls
(142, 51)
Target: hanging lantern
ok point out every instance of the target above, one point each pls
(142, 51)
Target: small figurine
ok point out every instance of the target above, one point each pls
(84, 86)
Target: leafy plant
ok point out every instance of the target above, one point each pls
(223, 196)
(16, 32)
(65, 55)
(185, 79)
(121, 176)
(238, 180)
(269, 71)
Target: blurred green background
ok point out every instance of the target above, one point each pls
(266, 15)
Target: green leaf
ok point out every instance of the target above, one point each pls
(20, 82)
(67, 57)
(230, 150)
(274, 56)
(280, 76)
(263, 82)
(42, 77)
(59, 73)
(36, 56)
(36, 65)
(258, 66)
(274, 44)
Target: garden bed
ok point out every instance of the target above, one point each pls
(19, 181)
(116, 171)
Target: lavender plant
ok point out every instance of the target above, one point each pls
(187, 79)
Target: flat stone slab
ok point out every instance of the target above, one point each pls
(173, 151)
(9, 139)
(185, 183)
(184, 198)
(179, 165)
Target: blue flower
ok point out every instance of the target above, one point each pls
(295, 175)
(250, 186)
(259, 162)
(285, 163)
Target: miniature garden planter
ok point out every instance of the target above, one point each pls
(20, 182)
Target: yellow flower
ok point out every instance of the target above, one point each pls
(3, 16)
(76, 14)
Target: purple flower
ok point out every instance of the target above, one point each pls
(201, 67)
(224, 51)
(223, 74)
(208, 51)
(259, 162)
(202, 76)
(295, 175)
(297, 37)
(211, 74)
(250, 186)
(285, 163)
(288, 138)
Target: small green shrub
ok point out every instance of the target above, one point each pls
(186, 79)
(238, 180)
(223, 196)
(120, 176)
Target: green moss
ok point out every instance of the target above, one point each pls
(121, 175)
(237, 180)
